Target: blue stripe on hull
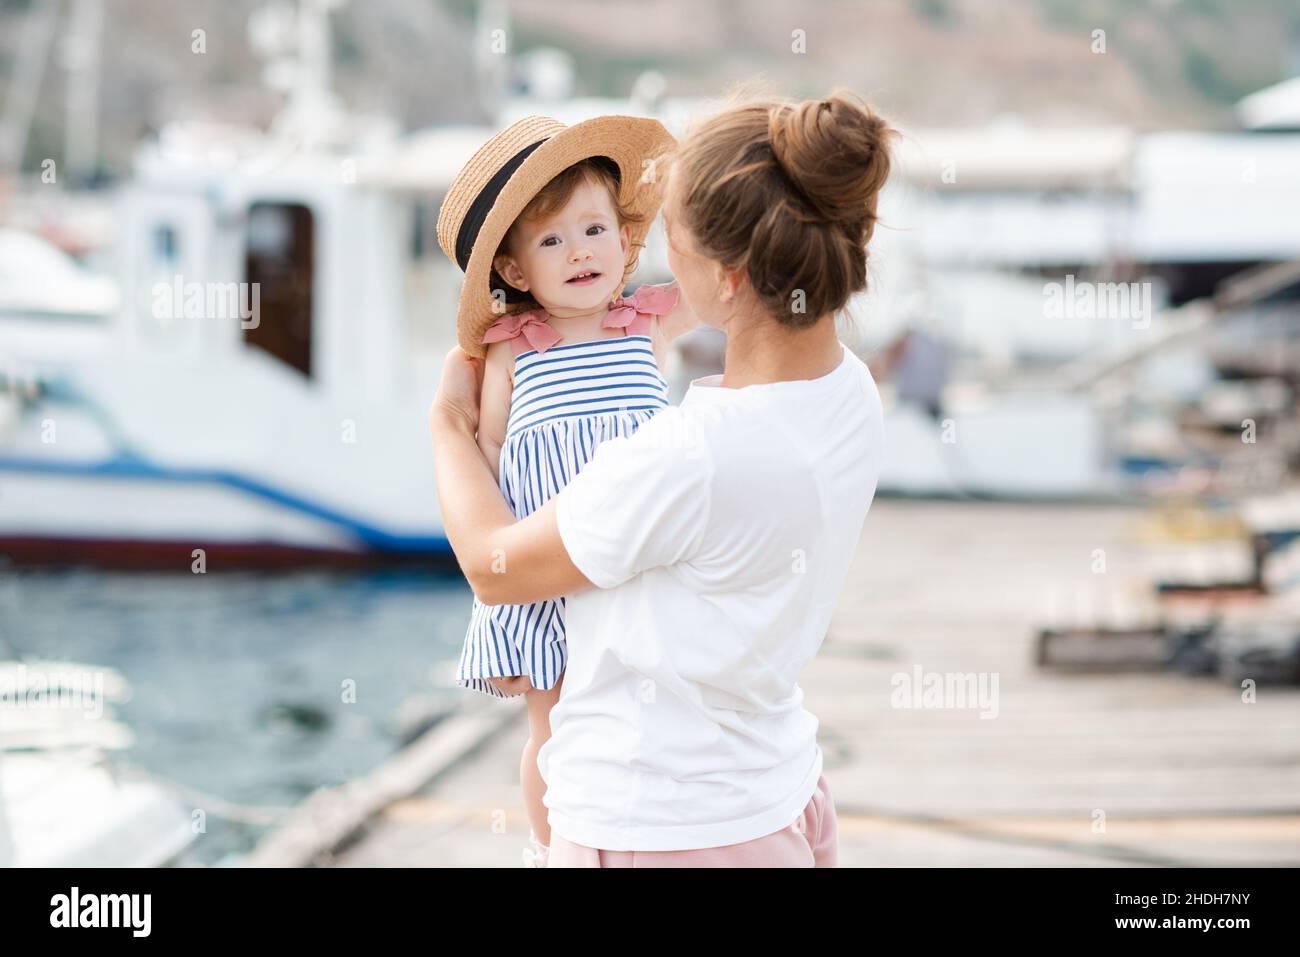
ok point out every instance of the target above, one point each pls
(127, 467)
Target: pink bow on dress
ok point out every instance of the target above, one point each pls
(646, 301)
(529, 330)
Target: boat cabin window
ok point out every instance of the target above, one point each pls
(280, 259)
(165, 243)
(422, 224)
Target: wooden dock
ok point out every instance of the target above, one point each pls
(1152, 769)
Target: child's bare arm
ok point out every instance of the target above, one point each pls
(495, 403)
(681, 320)
(666, 328)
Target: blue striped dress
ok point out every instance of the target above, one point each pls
(565, 402)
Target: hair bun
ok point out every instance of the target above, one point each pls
(834, 153)
(787, 193)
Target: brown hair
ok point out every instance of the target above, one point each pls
(787, 193)
(552, 197)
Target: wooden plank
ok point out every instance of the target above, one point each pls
(331, 816)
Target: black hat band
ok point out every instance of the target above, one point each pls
(482, 205)
(483, 202)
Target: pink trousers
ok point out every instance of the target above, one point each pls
(810, 841)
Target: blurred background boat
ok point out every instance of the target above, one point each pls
(258, 392)
(67, 796)
(248, 383)
(1184, 246)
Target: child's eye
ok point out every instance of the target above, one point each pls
(550, 241)
(598, 229)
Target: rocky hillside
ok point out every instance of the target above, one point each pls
(1165, 63)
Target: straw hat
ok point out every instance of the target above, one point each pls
(493, 188)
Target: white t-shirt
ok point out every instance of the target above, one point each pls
(719, 535)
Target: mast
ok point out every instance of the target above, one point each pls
(20, 102)
(81, 57)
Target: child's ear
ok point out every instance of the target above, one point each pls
(625, 238)
(509, 270)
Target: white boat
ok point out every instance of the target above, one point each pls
(258, 393)
(264, 385)
(40, 281)
(67, 799)
(1003, 218)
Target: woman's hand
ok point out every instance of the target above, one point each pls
(456, 402)
(476, 519)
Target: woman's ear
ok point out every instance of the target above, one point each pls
(509, 270)
(728, 280)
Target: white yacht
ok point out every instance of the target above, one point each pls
(68, 798)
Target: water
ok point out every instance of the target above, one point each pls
(238, 679)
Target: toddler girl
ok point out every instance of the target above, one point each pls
(573, 364)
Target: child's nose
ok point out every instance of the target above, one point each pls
(580, 253)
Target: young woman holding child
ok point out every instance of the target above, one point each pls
(716, 533)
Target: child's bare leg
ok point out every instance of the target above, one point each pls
(513, 685)
(530, 778)
(539, 703)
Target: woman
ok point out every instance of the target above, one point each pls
(718, 536)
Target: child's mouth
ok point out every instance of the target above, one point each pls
(585, 278)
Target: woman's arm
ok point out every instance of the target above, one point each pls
(505, 561)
